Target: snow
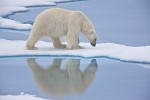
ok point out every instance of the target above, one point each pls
(10, 48)
(20, 97)
(10, 7)
(11, 24)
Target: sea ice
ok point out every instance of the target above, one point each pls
(16, 48)
(20, 97)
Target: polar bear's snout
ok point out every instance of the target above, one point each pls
(93, 43)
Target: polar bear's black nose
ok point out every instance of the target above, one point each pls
(93, 44)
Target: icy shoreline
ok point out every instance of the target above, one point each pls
(10, 48)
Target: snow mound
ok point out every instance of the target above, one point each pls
(12, 24)
(109, 50)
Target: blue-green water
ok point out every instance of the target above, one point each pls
(74, 78)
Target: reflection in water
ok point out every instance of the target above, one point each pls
(56, 81)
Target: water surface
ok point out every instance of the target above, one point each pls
(74, 78)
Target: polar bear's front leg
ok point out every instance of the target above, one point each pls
(73, 42)
(57, 43)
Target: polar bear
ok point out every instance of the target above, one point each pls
(56, 22)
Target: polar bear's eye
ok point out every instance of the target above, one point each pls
(92, 32)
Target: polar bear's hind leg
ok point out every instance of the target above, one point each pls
(32, 40)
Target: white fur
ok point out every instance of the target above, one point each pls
(56, 22)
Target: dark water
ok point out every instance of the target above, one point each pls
(74, 78)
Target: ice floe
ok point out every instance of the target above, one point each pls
(10, 48)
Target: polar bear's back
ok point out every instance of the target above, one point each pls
(52, 22)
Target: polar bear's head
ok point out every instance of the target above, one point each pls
(87, 28)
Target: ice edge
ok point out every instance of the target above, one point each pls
(74, 56)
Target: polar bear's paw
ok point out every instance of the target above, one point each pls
(31, 48)
(75, 47)
(64, 46)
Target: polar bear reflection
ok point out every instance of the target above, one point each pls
(55, 81)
